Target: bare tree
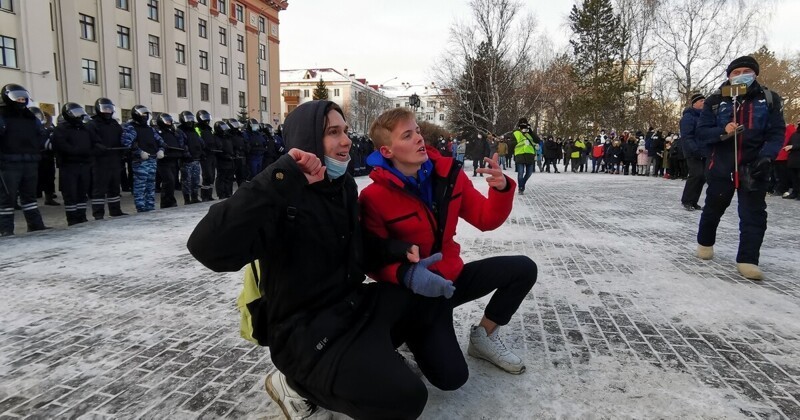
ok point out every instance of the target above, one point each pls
(485, 65)
(637, 18)
(697, 38)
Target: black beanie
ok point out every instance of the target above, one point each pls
(696, 97)
(743, 61)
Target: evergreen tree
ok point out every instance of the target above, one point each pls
(242, 116)
(321, 91)
(597, 43)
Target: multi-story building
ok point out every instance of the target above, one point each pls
(169, 55)
(432, 101)
(360, 101)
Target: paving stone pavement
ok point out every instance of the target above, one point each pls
(114, 319)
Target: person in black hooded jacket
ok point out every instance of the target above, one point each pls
(329, 333)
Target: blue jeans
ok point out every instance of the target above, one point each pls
(502, 162)
(527, 170)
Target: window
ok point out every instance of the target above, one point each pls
(8, 52)
(180, 20)
(89, 71)
(305, 93)
(155, 83)
(123, 37)
(242, 101)
(152, 10)
(223, 65)
(87, 27)
(262, 77)
(240, 43)
(155, 50)
(262, 52)
(441, 117)
(7, 5)
(263, 103)
(222, 6)
(180, 53)
(336, 92)
(223, 36)
(429, 117)
(262, 24)
(202, 28)
(204, 92)
(241, 71)
(181, 88)
(223, 96)
(203, 2)
(203, 60)
(125, 78)
(239, 12)
(122, 4)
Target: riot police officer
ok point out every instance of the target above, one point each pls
(256, 146)
(190, 167)
(209, 162)
(107, 168)
(168, 166)
(225, 157)
(21, 135)
(147, 146)
(239, 152)
(75, 146)
(46, 184)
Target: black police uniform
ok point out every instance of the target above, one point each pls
(209, 162)
(168, 166)
(75, 147)
(108, 166)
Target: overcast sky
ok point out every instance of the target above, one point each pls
(380, 40)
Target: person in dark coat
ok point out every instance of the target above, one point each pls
(480, 150)
(793, 162)
(46, 184)
(167, 168)
(656, 152)
(551, 152)
(695, 153)
(760, 120)
(328, 332)
(108, 163)
(629, 155)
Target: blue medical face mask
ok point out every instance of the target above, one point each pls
(746, 78)
(336, 168)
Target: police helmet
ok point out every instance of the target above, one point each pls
(140, 114)
(73, 113)
(105, 108)
(16, 96)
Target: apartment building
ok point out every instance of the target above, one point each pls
(432, 101)
(169, 55)
(360, 101)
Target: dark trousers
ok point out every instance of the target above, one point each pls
(255, 164)
(576, 164)
(752, 218)
(794, 174)
(19, 178)
(167, 170)
(548, 162)
(436, 349)
(126, 174)
(658, 166)
(208, 166)
(105, 187)
(74, 181)
(46, 182)
(371, 379)
(476, 163)
(695, 182)
(224, 178)
(240, 171)
(783, 177)
(524, 172)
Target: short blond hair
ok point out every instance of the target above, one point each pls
(381, 129)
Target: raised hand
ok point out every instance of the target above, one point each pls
(496, 178)
(310, 164)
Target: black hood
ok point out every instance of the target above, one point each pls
(303, 127)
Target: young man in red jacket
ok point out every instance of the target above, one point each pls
(417, 197)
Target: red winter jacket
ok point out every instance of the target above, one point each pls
(783, 155)
(390, 211)
(598, 151)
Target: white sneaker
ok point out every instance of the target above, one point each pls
(293, 405)
(492, 349)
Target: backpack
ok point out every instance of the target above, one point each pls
(249, 298)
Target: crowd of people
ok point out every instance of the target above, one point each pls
(97, 157)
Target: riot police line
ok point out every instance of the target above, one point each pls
(97, 158)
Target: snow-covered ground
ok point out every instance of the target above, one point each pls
(115, 319)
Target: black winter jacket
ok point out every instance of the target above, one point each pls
(794, 154)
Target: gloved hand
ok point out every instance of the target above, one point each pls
(427, 283)
(760, 168)
(160, 154)
(144, 155)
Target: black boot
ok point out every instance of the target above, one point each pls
(187, 199)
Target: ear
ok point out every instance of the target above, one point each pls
(386, 152)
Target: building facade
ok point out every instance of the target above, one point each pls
(169, 55)
(360, 101)
(432, 101)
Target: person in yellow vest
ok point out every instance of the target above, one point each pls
(577, 150)
(524, 153)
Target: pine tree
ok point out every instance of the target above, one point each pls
(243, 116)
(321, 91)
(597, 43)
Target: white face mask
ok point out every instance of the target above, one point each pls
(335, 168)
